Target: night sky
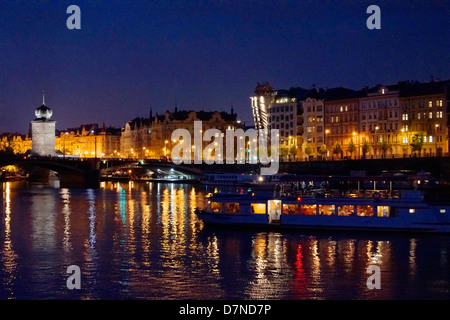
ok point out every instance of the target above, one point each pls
(130, 56)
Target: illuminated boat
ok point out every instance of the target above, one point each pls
(408, 212)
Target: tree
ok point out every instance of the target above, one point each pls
(337, 149)
(308, 150)
(323, 150)
(384, 147)
(365, 148)
(284, 152)
(293, 151)
(417, 143)
(351, 147)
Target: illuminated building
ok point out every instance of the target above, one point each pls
(313, 124)
(89, 141)
(376, 122)
(18, 143)
(341, 107)
(379, 110)
(424, 108)
(260, 104)
(282, 115)
(152, 137)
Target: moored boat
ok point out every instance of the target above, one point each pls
(406, 212)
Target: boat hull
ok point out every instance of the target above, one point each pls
(318, 223)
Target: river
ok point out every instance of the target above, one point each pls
(143, 241)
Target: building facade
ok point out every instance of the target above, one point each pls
(424, 108)
(313, 126)
(260, 104)
(152, 137)
(89, 141)
(401, 120)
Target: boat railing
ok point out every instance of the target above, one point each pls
(286, 191)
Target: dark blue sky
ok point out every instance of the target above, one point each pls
(133, 55)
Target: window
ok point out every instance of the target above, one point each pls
(430, 115)
(291, 209)
(439, 114)
(232, 207)
(439, 103)
(364, 211)
(405, 116)
(346, 210)
(430, 103)
(258, 208)
(216, 206)
(327, 210)
(383, 211)
(309, 209)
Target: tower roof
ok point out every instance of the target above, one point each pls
(43, 112)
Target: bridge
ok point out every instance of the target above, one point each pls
(87, 172)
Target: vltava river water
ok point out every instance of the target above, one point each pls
(143, 241)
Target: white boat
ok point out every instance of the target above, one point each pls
(408, 212)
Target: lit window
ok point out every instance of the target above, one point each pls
(430, 103)
(405, 116)
(439, 103)
(430, 115)
(431, 139)
(383, 211)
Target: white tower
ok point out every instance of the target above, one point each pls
(43, 132)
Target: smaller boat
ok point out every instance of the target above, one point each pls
(406, 212)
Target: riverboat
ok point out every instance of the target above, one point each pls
(408, 211)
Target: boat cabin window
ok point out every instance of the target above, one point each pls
(258, 208)
(291, 209)
(216, 206)
(309, 209)
(327, 210)
(346, 210)
(232, 207)
(383, 211)
(364, 211)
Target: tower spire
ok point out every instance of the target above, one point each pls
(43, 98)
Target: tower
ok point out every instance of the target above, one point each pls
(43, 132)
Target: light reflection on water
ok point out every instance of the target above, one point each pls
(143, 241)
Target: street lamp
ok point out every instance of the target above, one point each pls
(95, 144)
(357, 143)
(376, 137)
(327, 131)
(435, 138)
(64, 142)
